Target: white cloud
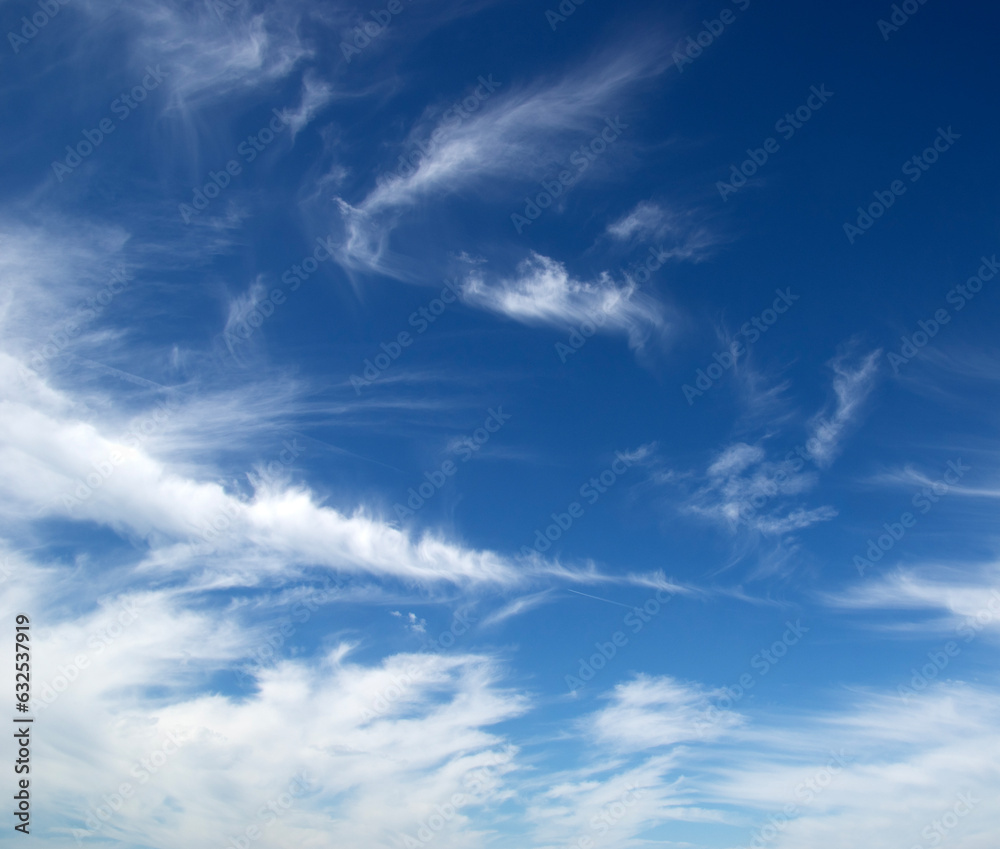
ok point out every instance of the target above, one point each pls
(795, 520)
(522, 604)
(543, 293)
(874, 771)
(967, 599)
(206, 58)
(735, 459)
(647, 712)
(513, 133)
(517, 127)
(241, 306)
(380, 744)
(48, 459)
(877, 772)
(383, 743)
(645, 220)
(675, 234)
(316, 94)
(58, 460)
(948, 476)
(54, 270)
(411, 621)
(742, 489)
(852, 385)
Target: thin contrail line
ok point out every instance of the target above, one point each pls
(340, 450)
(608, 600)
(124, 375)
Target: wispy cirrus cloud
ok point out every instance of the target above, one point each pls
(830, 773)
(521, 126)
(852, 384)
(316, 94)
(514, 136)
(744, 487)
(59, 464)
(195, 764)
(678, 234)
(966, 599)
(745, 490)
(520, 605)
(208, 56)
(646, 219)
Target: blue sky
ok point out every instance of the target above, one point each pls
(503, 424)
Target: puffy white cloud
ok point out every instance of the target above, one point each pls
(544, 293)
